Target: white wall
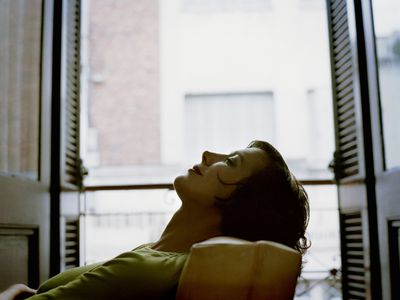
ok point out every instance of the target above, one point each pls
(283, 50)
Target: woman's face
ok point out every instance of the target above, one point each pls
(218, 175)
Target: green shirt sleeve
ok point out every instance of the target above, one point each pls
(139, 274)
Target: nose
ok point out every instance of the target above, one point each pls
(209, 158)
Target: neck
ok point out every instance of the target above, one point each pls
(187, 227)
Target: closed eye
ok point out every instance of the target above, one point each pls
(229, 162)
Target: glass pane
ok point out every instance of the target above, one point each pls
(387, 35)
(162, 81)
(20, 37)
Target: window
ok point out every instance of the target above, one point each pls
(20, 50)
(220, 122)
(162, 84)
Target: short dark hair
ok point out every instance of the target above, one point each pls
(269, 205)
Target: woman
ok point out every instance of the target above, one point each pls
(248, 194)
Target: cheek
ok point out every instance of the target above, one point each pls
(229, 176)
(225, 188)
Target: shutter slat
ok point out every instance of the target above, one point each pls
(349, 138)
(345, 132)
(336, 4)
(356, 285)
(357, 295)
(350, 146)
(355, 270)
(353, 255)
(337, 26)
(345, 67)
(350, 162)
(346, 74)
(347, 90)
(340, 30)
(72, 87)
(343, 36)
(345, 101)
(342, 57)
(339, 16)
(347, 123)
(350, 153)
(350, 170)
(342, 73)
(71, 151)
(347, 82)
(357, 278)
(343, 45)
(71, 250)
(345, 116)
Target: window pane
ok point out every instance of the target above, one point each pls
(387, 35)
(220, 122)
(162, 83)
(20, 36)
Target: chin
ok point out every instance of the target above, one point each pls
(178, 179)
(182, 186)
(178, 183)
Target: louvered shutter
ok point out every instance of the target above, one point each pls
(70, 244)
(348, 164)
(71, 169)
(353, 257)
(71, 175)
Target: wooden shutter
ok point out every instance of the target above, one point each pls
(71, 170)
(353, 257)
(71, 175)
(354, 158)
(71, 248)
(347, 155)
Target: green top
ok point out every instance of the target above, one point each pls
(142, 273)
